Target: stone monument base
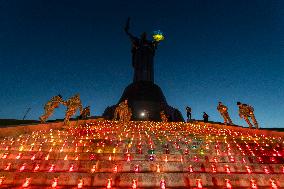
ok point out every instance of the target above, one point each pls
(146, 101)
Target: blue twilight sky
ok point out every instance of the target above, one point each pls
(214, 50)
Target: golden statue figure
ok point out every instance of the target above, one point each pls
(122, 112)
(117, 112)
(224, 113)
(163, 116)
(73, 104)
(85, 113)
(50, 106)
(128, 115)
(246, 112)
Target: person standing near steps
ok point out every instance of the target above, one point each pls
(188, 113)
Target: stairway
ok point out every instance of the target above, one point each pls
(111, 154)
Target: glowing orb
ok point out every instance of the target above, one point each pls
(158, 36)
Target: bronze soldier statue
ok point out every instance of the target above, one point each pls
(128, 115)
(116, 113)
(85, 113)
(246, 112)
(123, 112)
(224, 113)
(119, 110)
(163, 116)
(49, 107)
(73, 104)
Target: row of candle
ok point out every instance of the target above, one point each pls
(146, 147)
(138, 168)
(134, 184)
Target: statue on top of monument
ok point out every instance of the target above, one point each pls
(143, 51)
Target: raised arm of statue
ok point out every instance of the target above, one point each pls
(126, 28)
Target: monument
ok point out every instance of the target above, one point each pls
(145, 98)
(97, 153)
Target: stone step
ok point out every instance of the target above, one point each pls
(143, 179)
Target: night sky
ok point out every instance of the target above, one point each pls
(213, 51)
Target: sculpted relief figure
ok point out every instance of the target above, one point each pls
(49, 107)
(163, 116)
(224, 113)
(72, 105)
(123, 112)
(128, 115)
(85, 113)
(246, 112)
